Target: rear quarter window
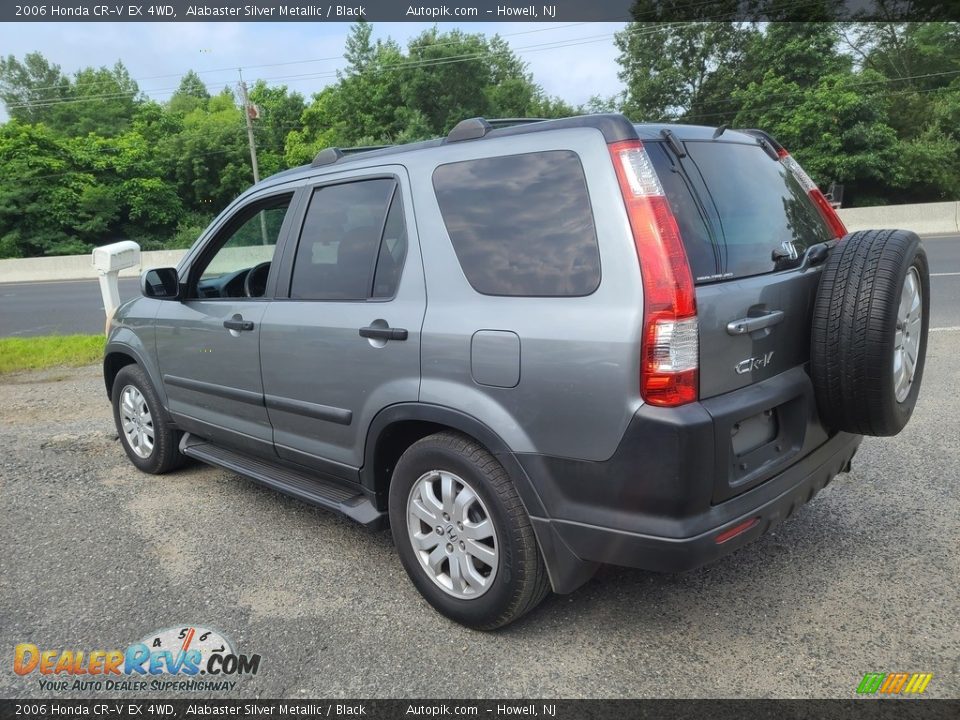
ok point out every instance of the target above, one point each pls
(521, 225)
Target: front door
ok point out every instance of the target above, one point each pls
(346, 342)
(209, 343)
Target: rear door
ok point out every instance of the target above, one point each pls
(746, 223)
(345, 341)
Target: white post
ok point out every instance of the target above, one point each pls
(110, 291)
(108, 261)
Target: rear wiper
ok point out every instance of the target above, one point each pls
(768, 148)
(674, 143)
(816, 254)
(813, 255)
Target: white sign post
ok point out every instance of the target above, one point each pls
(108, 261)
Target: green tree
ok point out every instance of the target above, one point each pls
(385, 95)
(208, 159)
(678, 70)
(105, 101)
(279, 113)
(31, 89)
(189, 95)
(101, 100)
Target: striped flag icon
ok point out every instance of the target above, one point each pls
(894, 683)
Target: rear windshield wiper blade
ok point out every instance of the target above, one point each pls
(674, 143)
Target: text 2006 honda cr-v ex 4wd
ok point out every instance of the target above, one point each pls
(531, 347)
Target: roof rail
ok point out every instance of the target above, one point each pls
(469, 129)
(478, 127)
(509, 122)
(363, 149)
(329, 156)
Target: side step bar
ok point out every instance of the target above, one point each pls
(308, 488)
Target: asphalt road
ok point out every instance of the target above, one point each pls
(96, 556)
(56, 308)
(60, 308)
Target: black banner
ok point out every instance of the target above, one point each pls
(460, 11)
(867, 709)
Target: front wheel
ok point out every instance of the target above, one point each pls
(145, 430)
(463, 534)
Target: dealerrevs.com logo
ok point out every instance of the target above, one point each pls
(190, 658)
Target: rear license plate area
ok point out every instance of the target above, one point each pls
(754, 447)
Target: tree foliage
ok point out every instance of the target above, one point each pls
(86, 159)
(872, 106)
(388, 95)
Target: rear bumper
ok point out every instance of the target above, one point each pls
(674, 485)
(768, 505)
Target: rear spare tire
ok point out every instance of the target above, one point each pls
(869, 336)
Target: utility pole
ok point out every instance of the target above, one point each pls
(246, 115)
(253, 148)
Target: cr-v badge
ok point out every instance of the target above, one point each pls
(753, 363)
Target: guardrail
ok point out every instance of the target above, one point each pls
(929, 218)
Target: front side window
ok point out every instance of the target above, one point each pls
(240, 263)
(521, 225)
(351, 247)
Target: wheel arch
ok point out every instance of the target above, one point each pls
(397, 427)
(118, 354)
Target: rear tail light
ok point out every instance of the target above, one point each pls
(819, 199)
(670, 348)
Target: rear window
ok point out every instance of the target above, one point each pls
(521, 225)
(735, 206)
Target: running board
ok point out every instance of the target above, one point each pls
(308, 488)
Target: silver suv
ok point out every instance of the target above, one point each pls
(531, 348)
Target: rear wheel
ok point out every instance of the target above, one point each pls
(462, 533)
(145, 429)
(869, 337)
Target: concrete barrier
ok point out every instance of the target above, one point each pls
(77, 267)
(929, 218)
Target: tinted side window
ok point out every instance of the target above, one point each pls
(521, 224)
(393, 251)
(340, 240)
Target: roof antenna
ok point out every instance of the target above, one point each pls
(719, 131)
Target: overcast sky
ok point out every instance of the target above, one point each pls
(572, 60)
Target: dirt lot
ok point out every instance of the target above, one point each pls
(94, 555)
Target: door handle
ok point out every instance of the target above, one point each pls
(750, 324)
(383, 333)
(238, 323)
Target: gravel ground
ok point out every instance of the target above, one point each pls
(94, 555)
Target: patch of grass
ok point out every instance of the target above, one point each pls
(36, 353)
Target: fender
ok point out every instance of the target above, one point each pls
(127, 342)
(457, 420)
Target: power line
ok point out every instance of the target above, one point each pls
(788, 106)
(635, 26)
(405, 65)
(295, 62)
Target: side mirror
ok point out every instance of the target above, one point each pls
(160, 283)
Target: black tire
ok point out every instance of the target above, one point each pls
(165, 454)
(520, 583)
(854, 331)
